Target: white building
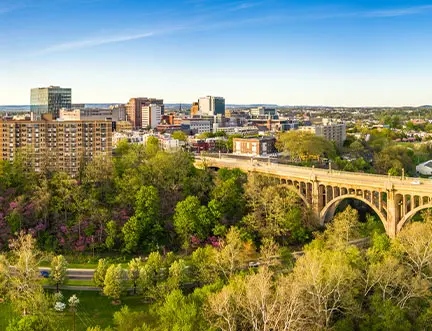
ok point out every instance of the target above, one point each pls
(239, 130)
(151, 115)
(197, 125)
(211, 106)
(425, 168)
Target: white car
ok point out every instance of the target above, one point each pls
(416, 182)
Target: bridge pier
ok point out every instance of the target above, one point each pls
(393, 212)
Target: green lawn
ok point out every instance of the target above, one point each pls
(94, 309)
(71, 282)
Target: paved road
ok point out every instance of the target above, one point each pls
(77, 274)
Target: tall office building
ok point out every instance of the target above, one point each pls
(48, 144)
(49, 100)
(151, 116)
(134, 109)
(211, 106)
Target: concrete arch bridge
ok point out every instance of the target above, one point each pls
(394, 199)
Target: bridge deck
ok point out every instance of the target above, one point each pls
(408, 184)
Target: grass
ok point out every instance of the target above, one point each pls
(94, 309)
(71, 282)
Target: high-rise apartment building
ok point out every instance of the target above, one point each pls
(49, 100)
(331, 131)
(55, 145)
(134, 109)
(151, 116)
(211, 106)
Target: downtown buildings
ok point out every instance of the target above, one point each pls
(145, 111)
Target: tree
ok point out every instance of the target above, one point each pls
(179, 135)
(177, 275)
(134, 267)
(25, 290)
(115, 282)
(276, 213)
(145, 224)
(150, 275)
(126, 320)
(326, 281)
(178, 313)
(100, 272)
(229, 193)
(191, 218)
(58, 270)
(203, 265)
(131, 234)
(304, 145)
(344, 228)
(4, 275)
(111, 231)
(73, 304)
(415, 243)
(233, 253)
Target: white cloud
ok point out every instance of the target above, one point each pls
(400, 11)
(86, 43)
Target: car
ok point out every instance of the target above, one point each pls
(416, 182)
(254, 264)
(44, 274)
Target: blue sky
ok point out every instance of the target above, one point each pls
(272, 51)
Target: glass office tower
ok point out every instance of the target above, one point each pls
(50, 100)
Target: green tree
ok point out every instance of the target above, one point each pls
(178, 313)
(134, 268)
(145, 224)
(191, 218)
(58, 274)
(179, 135)
(304, 145)
(126, 320)
(115, 282)
(177, 274)
(111, 232)
(100, 272)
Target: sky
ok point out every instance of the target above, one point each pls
(286, 52)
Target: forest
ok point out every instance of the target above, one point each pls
(201, 250)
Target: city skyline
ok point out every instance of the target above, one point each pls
(251, 52)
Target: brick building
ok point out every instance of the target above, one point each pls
(262, 146)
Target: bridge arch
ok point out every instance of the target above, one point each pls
(411, 214)
(294, 189)
(334, 203)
